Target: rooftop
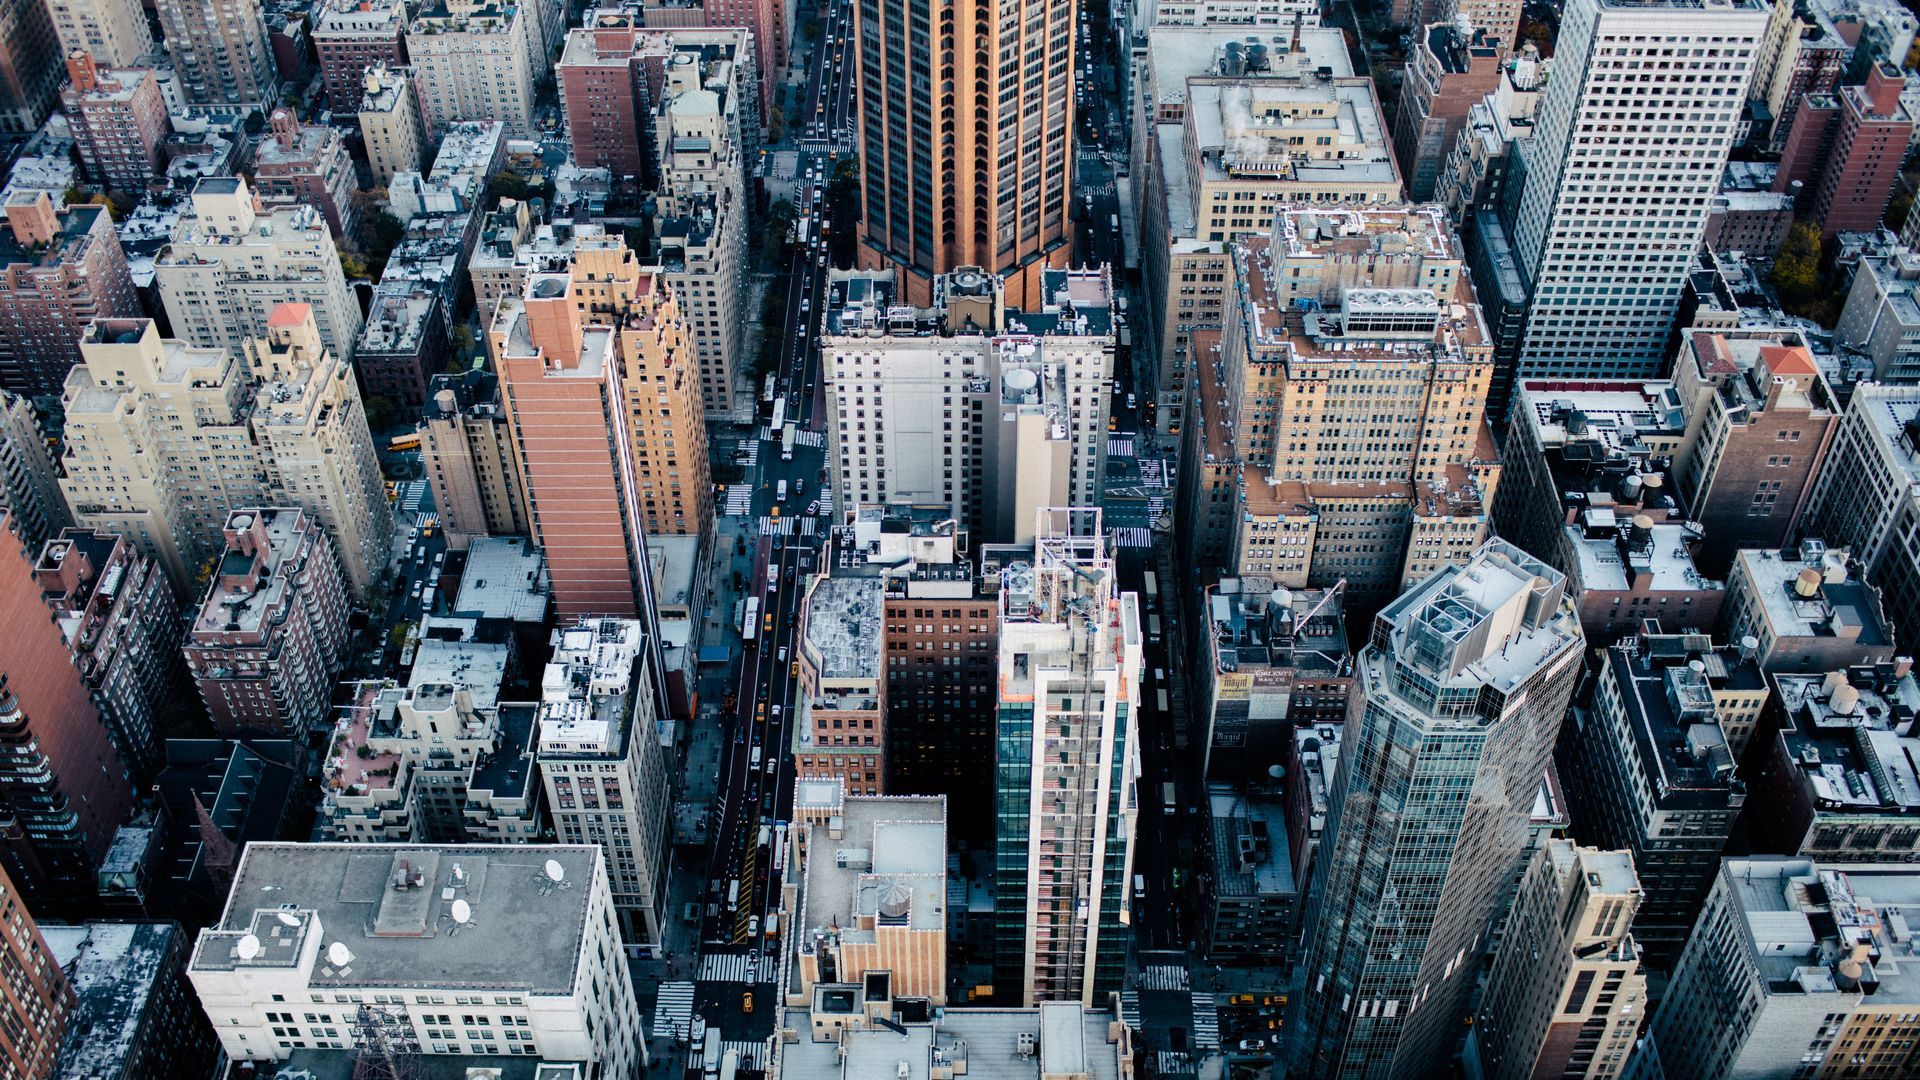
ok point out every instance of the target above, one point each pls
(1802, 921)
(1176, 54)
(250, 582)
(1490, 622)
(1678, 740)
(70, 243)
(1620, 556)
(586, 697)
(1406, 325)
(1250, 854)
(389, 907)
(1257, 625)
(1806, 592)
(1053, 1040)
(397, 321)
(886, 866)
(1245, 130)
(844, 617)
(115, 970)
(1851, 736)
(505, 578)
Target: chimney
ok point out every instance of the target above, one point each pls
(80, 69)
(553, 323)
(286, 128)
(1884, 83)
(33, 219)
(62, 568)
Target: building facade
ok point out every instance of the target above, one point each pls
(119, 121)
(1868, 496)
(59, 270)
(307, 165)
(994, 191)
(1465, 679)
(36, 1000)
(470, 460)
(113, 32)
(1590, 269)
(63, 783)
(390, 123)
(220, 52)
(840, 705)
(353, 36)
(475, 60)
(1065, 771)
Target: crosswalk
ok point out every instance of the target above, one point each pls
(1152, 472)
(739, 500)
(413, 496)
(753, 1055)
(810, 437)
(749, 449)
(673, 1011)
(1132, 536)
(1163, 977)
(1173, 1063)
(800, 525)
(726, 967)
(1206, 1022)
(1130, 1008)
(1119, 446)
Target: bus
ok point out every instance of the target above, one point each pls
(1153, 629)
(779, 413)
(1166, 798)
(1153, 586)
(766, 395)
(733, 895)
(786, 444)
(752, 616)
(404, 442)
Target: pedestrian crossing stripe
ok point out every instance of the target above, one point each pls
(1119, 447)
(772, 526)
(1206, 1022)
(1163, 977)
(673, 1010)
(1132, 536)
(1130, 1008)
(752, 1055)
(725, 967)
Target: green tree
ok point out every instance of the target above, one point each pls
(380, 412)
(1898, 208)
(397, 637)
(353, 266)
(506, 185)
(1796, 269)
(463, 343)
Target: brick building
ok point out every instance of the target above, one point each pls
(59, 270)
(1447, 76)
(119, 121)
(307, 165)
(1846, 148)
(271, 632)
(351, 36)
(34, 997)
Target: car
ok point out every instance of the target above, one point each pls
(772, 765)
(1253, 1044)
(753, 930)
(746, 999)
(813, 508)
(776, 712)
(795, 669)
(783, 654)
(1133, 401)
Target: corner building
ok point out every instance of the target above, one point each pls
(1457, 704)
(966, 120)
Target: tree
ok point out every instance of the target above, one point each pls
(397, 637)
(380, 412)
(463, 342)
(353, 266)
(506, 185)
(1898, 208)
(1796, 269)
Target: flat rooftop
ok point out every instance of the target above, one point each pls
(525, 933)
(1250, 853)
(1458, 615)
(116, 970)
(1678, 740)
(1864, 759)
(586, 692)
(1067, 1040)
(844, 618)
(891, 854)
(1178, 53)
(1242, 130)
(505, 578)
(1839, 607)
(1802, 918)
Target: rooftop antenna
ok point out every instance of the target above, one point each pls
(462, 916)
(248, 947)
(288, 918)
(339, 955)
(555, 872)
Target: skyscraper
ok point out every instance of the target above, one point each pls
(1459, 697)
(220, 51)
(1070, 655)
(1634, 130)
(966, 119)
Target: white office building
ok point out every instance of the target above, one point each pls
(1633, 133)
(477, 949)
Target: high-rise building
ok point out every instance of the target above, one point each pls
(117, 611)
(1794, 967)
(1451, 70)
(1867, 498)
(307, 165)
(230, 264)
(1881, 320)
(702, 203)
(856, 1027)
(1071, 647)
(35, 999)
(29, 481)
(271, 632)
(532, 923)
(1339, 432)
(471, 464)
(871, 895)
(59, 270)
(991, 411)
(1648, 768)
(1603, 285)
(63, 786)
(963, 166)
(119, 121)
(220, 52)
(1846, 147)
(1459, 698)
(840, 705)
(390, 123)
(475, 60)
(1254, 913)
(113, 32)
(314, 447)
(1759, 416)
(603, 757)
(353, 36)
(29, 66)
(1567, 993)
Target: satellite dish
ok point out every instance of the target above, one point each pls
(339, 955)
(1276, 771)
(248, 948)
(287, 918)
(556, 872)
(462, 912)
